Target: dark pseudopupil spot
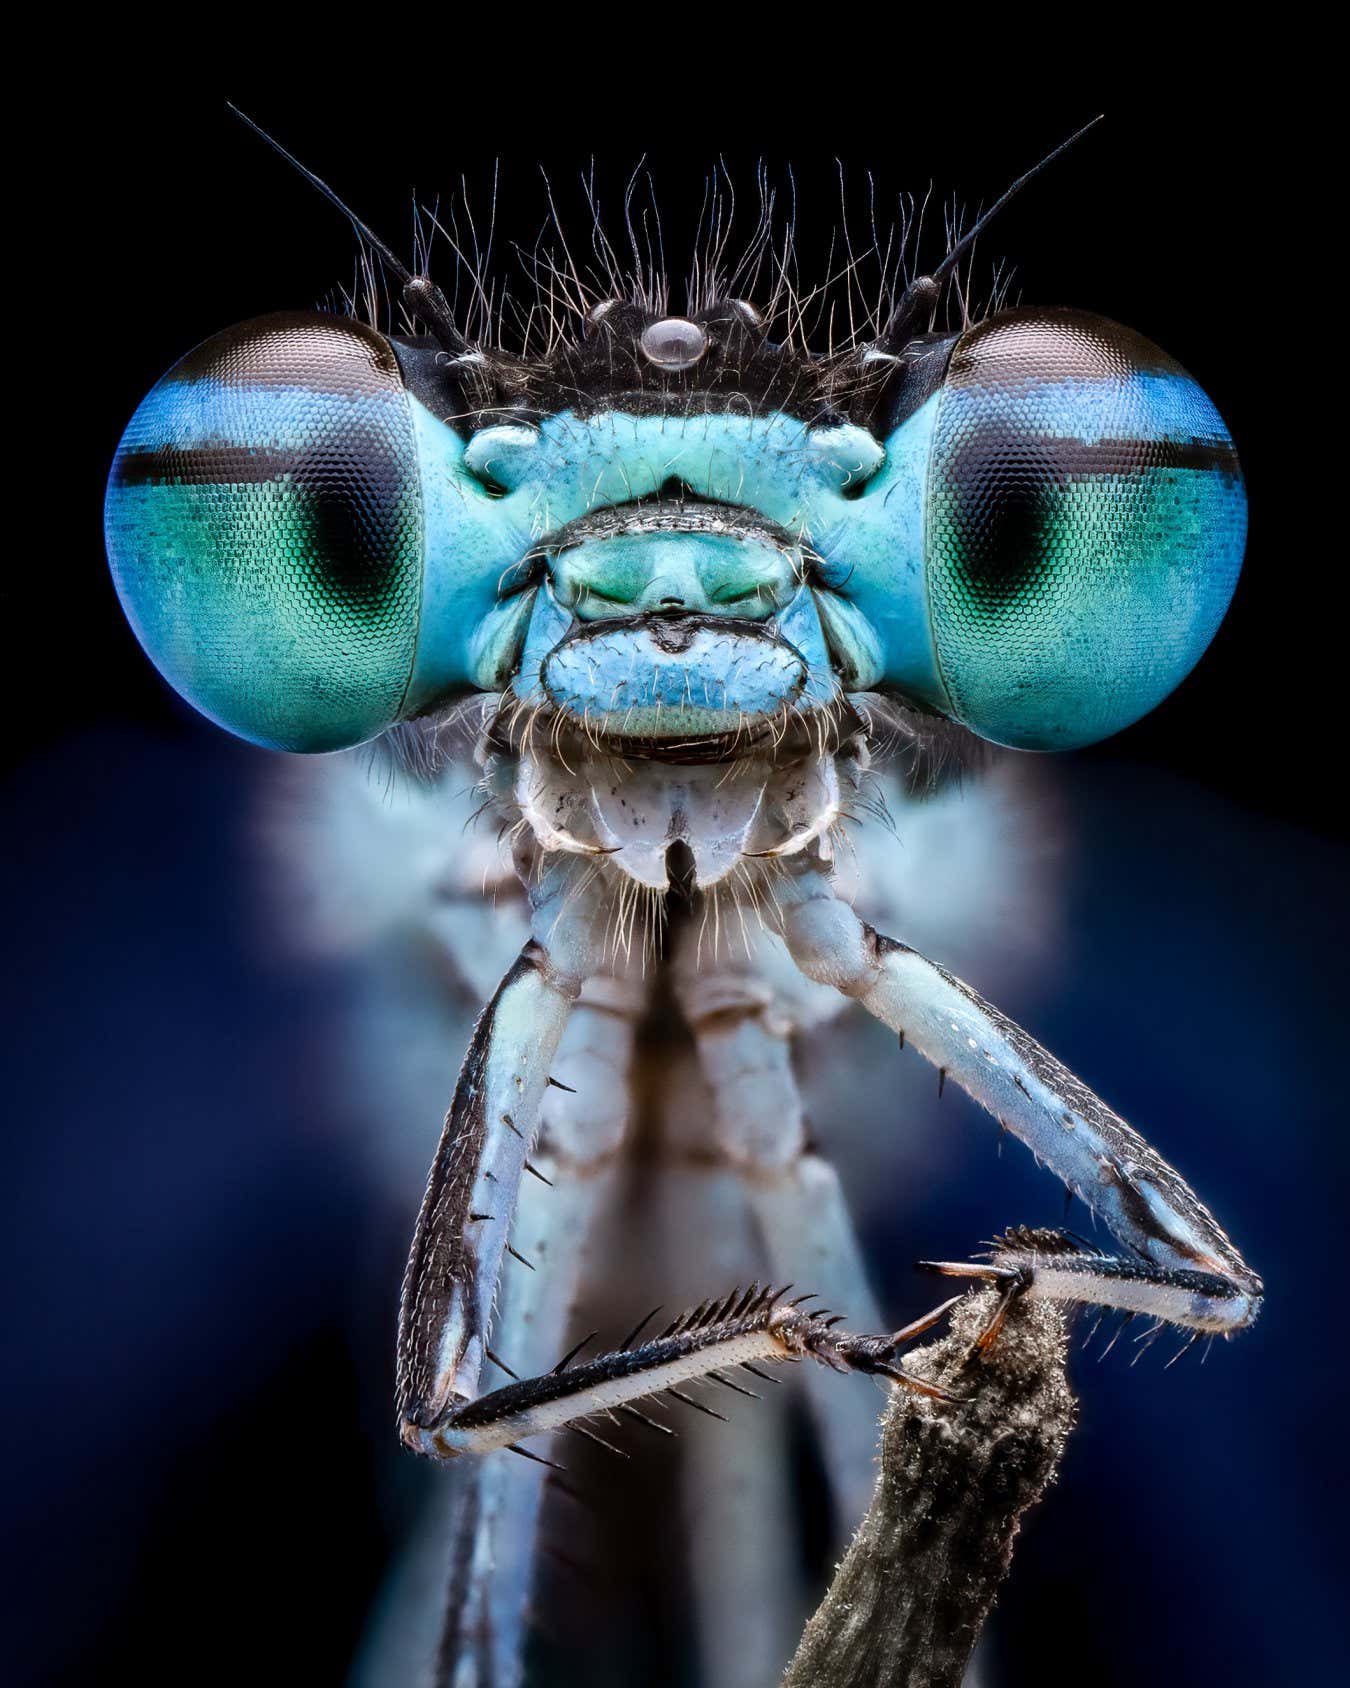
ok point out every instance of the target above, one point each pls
(999, 501)
(350, 504)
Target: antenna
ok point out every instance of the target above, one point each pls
(924, 291)
(421, 296)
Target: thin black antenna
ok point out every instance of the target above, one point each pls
(923, 292)
(421, 296)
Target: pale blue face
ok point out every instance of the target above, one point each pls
(1039, 547)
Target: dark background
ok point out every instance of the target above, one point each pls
(193, 1447)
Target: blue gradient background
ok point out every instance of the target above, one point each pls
(201, 1272)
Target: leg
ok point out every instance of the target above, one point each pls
(581, 1132)
(793, 1194)
(1053, 1266)
(803, 1218)
(1182, 1267)
(462, 1230)
(742, 1552)
(490, 1510)
(492, 1573)
(747, 1330)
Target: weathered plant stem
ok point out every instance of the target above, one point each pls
(912, 1593)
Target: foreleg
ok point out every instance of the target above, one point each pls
(463, 1228)
(562, 1201)
(747, 1330)
(1183, 1268)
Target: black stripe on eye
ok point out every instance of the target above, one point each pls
(993, 450)
(204, 465)
(1000, 495)
(364, 455)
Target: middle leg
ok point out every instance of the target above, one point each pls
(792, 1192)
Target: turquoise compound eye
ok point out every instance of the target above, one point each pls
(1084, 524)
(264, 525)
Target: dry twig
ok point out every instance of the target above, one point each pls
(912, 1593)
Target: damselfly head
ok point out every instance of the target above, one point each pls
(681, 540)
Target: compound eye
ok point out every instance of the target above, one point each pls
(264, 526)
(1085, 523)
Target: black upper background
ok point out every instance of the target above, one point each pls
(1180, 220)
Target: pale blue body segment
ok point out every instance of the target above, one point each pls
(473, 540)
(873, 552)
(569, 468)
(623, 682)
